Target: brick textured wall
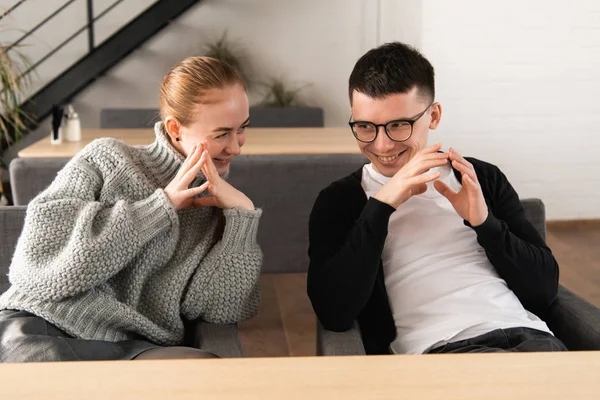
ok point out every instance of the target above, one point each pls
(519, 82)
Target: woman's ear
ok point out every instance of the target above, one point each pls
(173, 128)
(436, 115)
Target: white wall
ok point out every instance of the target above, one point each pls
(306, 42)
(516, 78)
(519, 83)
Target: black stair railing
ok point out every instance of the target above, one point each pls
(99, 58)
(89, 26)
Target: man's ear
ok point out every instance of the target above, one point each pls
(436, 115)
(172, 127)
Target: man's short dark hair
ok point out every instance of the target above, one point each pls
(392, 68)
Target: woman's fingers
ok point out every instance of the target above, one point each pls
(208, 201)
(191, 174)
(192, 158)
(191, 192)
(209, 170)
(210, 166)
(188, 162)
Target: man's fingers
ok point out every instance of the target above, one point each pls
(424, 166)
(465, 170)
(420, 179)
(445, 190)
(433, 148)
(454, 155)
(435, 156)
(461, 161)
(418, 189)
(471, 186)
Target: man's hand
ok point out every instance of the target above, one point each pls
(469, 202)
(411, 179)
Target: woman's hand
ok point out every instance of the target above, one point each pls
(222, 194)
(178, 191)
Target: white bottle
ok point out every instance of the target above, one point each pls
(72, 128)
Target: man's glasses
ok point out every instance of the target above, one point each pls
(398, 130)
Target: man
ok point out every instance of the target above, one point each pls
(429, 251)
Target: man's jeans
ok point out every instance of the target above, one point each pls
(505, 340)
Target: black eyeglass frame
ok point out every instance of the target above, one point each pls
(385, 126)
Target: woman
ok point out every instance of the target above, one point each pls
(130, 241)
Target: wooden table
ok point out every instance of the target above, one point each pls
(258, 141)
(545, 376)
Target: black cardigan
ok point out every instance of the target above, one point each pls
(347, 233)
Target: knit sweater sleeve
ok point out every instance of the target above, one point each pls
(226, 286)
(71, 242)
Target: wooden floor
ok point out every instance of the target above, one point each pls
(576, 246)
(285, 325)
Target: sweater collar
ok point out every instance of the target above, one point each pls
(164, 159)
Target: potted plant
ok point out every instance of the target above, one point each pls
(13, 91)
(282, 108)
(222, 49)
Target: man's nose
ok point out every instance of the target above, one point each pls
(382, 142)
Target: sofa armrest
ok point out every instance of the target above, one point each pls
(347, 343)
(11, 225)
(574, 321)
(220, 339)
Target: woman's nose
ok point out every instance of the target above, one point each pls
(234, 147)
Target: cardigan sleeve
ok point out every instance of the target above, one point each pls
(345, 254)
(514, 247)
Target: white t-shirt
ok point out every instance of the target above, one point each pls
(441, 286)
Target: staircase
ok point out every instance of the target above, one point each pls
(98, 59)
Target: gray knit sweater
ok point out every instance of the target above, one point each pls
(104, 255)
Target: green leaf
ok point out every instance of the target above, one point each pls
(13, 92)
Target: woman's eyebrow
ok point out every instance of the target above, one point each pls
(229, 129)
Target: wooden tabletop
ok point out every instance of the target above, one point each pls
(545, 376)
(258, 141)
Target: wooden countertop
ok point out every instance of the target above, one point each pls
(258, 141)
(569, 375)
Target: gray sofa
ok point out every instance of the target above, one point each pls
(572, 319)
(285, 187)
